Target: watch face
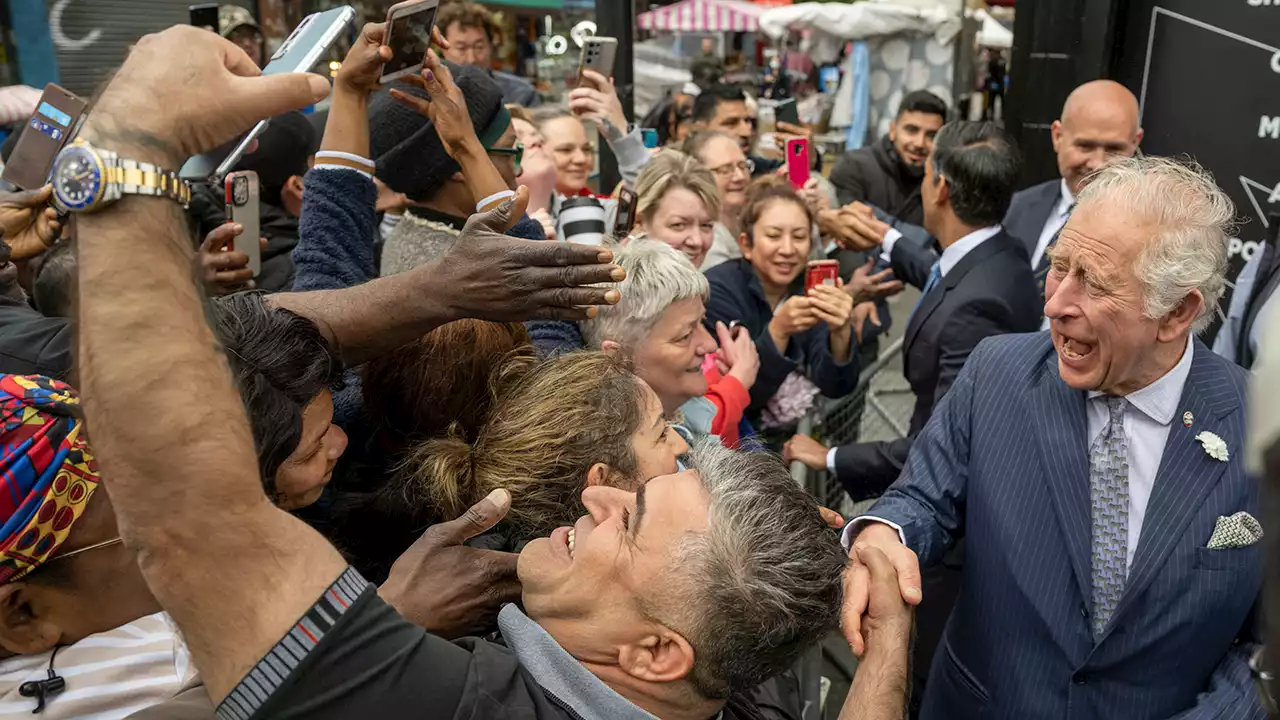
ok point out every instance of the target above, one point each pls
(77, 178)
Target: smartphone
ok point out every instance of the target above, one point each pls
(52, 125)
(650, 137)
(299, 53)
(243, 206)
(204, 15)
(626, 216)
(786, 112)
(821, 272)
(408, 35)
(598, 53)
(797, 151)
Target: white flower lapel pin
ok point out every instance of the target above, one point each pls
(1214, 446)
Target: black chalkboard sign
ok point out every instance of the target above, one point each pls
(1207, 73)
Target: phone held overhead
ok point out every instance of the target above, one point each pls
(300, 52)
(409, 27)
(598, 53)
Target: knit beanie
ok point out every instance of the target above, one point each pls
(409, 155)
(284, 149)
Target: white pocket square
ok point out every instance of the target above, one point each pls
(1235, 531)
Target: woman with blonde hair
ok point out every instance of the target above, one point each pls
(556, 428)
(678, 204)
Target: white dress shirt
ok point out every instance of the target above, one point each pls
(951, 256)
(1057, 220)
(1147, 419)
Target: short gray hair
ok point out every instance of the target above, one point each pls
(762, 584)
(1193, 218)
(658, 276)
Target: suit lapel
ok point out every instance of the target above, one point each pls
(931, 302)
(1186, 473)
(1059, 416)
(1037, 215)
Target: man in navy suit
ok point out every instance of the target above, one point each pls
(1099, 124)
(1096, 474)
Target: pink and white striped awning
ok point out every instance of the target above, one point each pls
(703, 16)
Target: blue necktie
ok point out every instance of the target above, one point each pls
(935, 276)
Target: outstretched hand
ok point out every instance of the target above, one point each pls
(595, 99)
(448, 588)
(504, 279)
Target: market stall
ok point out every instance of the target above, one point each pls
(897, 48)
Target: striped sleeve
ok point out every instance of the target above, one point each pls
(279, 665)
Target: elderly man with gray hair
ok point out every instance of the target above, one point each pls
(1097, 474)
(658, 327)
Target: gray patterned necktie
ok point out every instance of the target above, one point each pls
(1109, 491)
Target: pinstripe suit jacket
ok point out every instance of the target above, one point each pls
(1003, 461)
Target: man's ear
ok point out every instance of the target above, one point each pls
(598, 475)
(944, 188)
(662, 656)
(457, 177)
(893, 131)
(23, 630)
(1055, 132)
(1181, 317)
(611, 348)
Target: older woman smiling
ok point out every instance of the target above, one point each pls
(659, 327)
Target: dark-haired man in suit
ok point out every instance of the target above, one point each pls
(980, 285)
(1099, 124)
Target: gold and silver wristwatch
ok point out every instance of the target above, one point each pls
(86, 179)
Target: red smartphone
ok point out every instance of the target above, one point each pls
(51, 127)
(798, 162)
(821, 272)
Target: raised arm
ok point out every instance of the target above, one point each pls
(157, 390)
(338, 224)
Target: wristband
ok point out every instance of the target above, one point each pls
(494, 199)
(335, 157)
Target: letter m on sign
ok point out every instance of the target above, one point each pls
(1269, 126)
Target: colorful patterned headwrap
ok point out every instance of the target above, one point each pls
(47, 473)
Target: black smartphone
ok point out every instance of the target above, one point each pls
(626, 216)
(785, 112)
(52, 126)
(204, 15)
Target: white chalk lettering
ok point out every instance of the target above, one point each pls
(1269, 126)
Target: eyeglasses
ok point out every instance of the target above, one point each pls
(517, 153)
(747, 166)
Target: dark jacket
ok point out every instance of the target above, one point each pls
(1029, 212)
(875, 175)
(736, 294)
(32, 344)
(989, 292)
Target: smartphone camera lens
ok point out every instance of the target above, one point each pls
(240, 190)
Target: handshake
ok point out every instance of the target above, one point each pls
(881, 586)
(853, 227)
